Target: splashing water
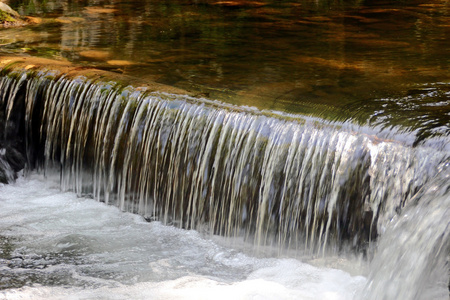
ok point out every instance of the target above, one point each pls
(412, 257)
(56, 245)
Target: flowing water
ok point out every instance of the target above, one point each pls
(417, 245)
(290, 183)
(75, 248)
(322, 172)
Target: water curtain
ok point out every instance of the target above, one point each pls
(194, 163)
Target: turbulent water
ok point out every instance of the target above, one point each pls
(56, 245)
(265, 178)
(416, 246)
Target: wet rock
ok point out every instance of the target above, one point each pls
(5, 8)
(95, 54)
(33, 20)
(100, 10)
(11, 18)
(11, 162)
(117, 62)
(8, 16)
(15, 159)
(6, 172)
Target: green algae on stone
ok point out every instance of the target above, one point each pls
(5, 17)
(9, 17)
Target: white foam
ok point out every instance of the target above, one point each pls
(82, 249)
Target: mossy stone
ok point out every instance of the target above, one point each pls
(5, 17)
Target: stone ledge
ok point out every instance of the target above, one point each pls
(72, 70)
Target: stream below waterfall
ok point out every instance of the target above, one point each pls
(55, 245)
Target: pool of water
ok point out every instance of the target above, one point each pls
(370, 61)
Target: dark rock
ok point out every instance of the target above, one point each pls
(7, 175)
(15, 159)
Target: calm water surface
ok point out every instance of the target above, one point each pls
(385, 62)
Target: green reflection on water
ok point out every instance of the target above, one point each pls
(333, 59)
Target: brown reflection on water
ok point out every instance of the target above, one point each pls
(303, 56)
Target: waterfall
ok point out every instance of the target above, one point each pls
(412, 256)
(270, 177)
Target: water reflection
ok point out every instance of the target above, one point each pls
(301, 56)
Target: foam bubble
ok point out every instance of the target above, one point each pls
(66, 247)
